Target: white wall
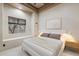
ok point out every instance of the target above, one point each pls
(69, 14)
(0, 24)
(13, 40)
(10, 11)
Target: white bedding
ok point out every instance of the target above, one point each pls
(42, 46)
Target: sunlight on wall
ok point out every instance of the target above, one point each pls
(68, 37)
(40, 34)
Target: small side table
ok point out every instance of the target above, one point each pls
(74, 45)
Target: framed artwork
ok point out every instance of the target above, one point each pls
(16, 25)
(54, 23)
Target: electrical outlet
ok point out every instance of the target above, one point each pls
(3, 45)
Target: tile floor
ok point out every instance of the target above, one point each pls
(13, 52)
(18, 52)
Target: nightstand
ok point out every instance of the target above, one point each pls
(74, 45)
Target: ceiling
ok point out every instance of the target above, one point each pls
(35, 5)
(39, 6)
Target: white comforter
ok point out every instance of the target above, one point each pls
(36, 46)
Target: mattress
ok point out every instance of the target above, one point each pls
(36, 46)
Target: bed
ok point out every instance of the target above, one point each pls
(43, 46)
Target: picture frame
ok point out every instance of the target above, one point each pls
(16, 25)
(54, 23)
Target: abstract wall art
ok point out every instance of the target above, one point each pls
(16, 25)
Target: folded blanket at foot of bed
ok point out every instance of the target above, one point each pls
(42, 47)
